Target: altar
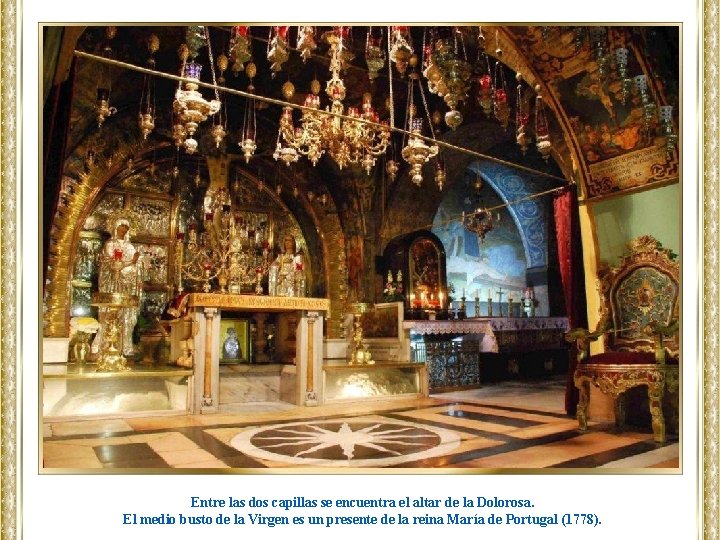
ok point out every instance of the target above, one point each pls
(304, 378)
(464, 353)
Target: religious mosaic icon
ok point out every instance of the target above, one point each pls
(231, 346)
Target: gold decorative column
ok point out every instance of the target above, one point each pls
(310, 393)
(111, 357)
(207, 399)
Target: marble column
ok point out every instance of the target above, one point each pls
(310, 358)
(207, 361)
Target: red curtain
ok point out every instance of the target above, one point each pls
(569, 247)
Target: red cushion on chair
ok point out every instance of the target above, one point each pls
(622, 358)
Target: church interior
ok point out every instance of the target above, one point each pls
(360, 247)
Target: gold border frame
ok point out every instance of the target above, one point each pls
(710, 478)
(9, 460)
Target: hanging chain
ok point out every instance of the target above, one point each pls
(427, 110)
(390, 78)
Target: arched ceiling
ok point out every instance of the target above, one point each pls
(573, 68)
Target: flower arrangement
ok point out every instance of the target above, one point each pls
(393, 291)
(87, 325)
(450, 294)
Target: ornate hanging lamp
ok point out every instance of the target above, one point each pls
(501, 107)
(240, 48)
(668, 130)
(146, 114)
(248, 135)
(278, 48)
(374, 53)
(542, 130)
(347, 140)
(400, 47)
(103, 109)
(190, 107)
(306, 44)
(522, 117)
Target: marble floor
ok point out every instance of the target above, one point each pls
(506, 425)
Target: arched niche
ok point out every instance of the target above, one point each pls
(160, 202)
(420, 256)
(519, 250)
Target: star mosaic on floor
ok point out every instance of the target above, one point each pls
(421, 434)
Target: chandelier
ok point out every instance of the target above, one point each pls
(233, 248)
(357, 140)
(190, 107)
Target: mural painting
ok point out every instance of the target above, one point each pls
(472, 266)
(613, 111)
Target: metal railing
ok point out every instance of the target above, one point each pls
(450, 364)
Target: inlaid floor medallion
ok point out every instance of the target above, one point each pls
(340, 443)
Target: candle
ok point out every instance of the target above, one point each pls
(412, 300)
(463, 292)
(442, 298)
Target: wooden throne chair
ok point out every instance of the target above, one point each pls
(639, 321)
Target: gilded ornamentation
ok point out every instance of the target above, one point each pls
(639, 313)
(121, 275)
(85, 260)
(615, 380)
(81, 294)
(147, 181)
(153, 303)
(641, 291)
(110, 204)
(61, 256)
(286, 276)
(153, 217)
(155, 263)
(251, 302)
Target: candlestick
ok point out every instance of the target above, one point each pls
(500, 293)
(510, 306)
(477, 305)
(490, 311)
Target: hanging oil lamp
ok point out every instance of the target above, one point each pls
(374, 54)
(306, 42)
(542, 132)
